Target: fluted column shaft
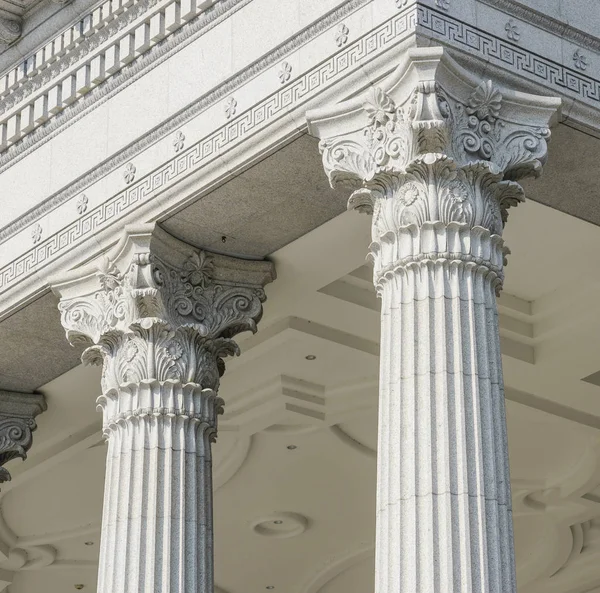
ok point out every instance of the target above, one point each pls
(157, 531)
(444, 519)
(434, 154)
(159, 317)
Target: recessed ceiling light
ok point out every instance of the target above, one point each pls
(310, 357)
(79, 587)
(269, 587)
(292, 447)
(278, 522)
(88, 543)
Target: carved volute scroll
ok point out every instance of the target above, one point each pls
(160, 310)
(434, 148)
(10, 30)
(17, 424)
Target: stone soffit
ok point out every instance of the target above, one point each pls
(286, 90)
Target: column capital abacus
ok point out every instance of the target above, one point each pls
(161, 310)
(17, 424)
(434, 152)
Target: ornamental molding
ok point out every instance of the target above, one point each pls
(543, 21)
(434, 154)
(17, 423)
(272, 107)
(22, 126)
(287, 97)
(83, 91)
(132, 72)
(512, 57)
(159, 310)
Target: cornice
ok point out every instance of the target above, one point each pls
(57, 55)
(128, 75)
(548, 23)
(121, 80)
(277, 101)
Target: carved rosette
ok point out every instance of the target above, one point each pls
(162, 312)
(10, 30)
(434, 154)
(17, 424)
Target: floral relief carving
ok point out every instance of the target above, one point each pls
(82, 204)
(36, 234)
(230, 107)
(179, 141)
(485, 102)
(341, 36)
(151, 320)
(129, 173)
(444, 4)
(386, 134)
(512, 30)
(580, 60)
(437, 153)
(285, 72)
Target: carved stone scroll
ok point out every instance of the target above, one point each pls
(17, 424)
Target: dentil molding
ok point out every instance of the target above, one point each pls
(17, 423)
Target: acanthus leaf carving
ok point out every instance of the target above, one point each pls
(17, 424)
(434, 145)
(151, 319)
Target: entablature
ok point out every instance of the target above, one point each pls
(249, 111)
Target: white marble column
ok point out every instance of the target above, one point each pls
(433, 154)
(159, 317)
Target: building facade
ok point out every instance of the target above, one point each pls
(189, 190)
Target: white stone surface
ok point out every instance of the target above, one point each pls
(159, 318)
(433, 155)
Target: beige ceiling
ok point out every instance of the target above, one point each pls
(322, 304)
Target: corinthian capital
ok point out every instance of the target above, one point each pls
(17, 423)
(159, 310)
(434, 148)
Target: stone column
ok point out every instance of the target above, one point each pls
(433, 154)
(17, 423)
(159, 317)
